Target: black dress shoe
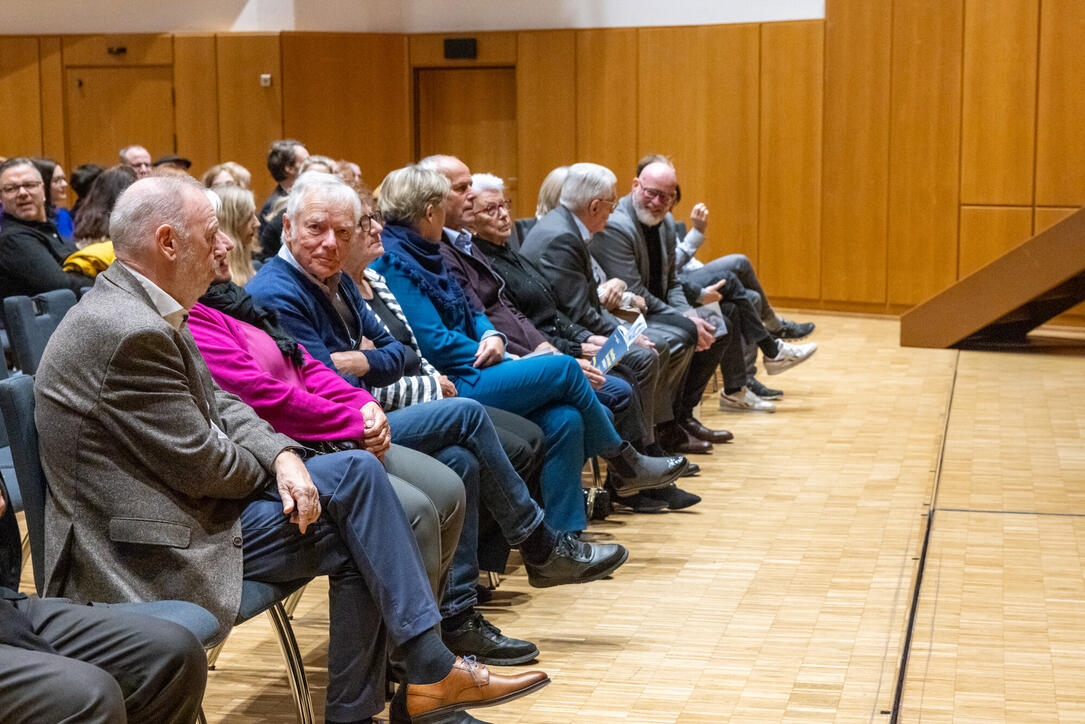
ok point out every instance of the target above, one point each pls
(677, 440)
(674, 497)
(574, 561)
(694, 427)
(479, 638)
(631, 471)
(639, 503)
(692, 470)
(765, 393)
(793, 330)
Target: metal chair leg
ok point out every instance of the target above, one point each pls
(495, 581)
(290, 603)
(200, 717)
(295, 668)
(213, 654)
(596, 488)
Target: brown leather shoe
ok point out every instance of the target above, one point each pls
(468, 685)
(696, 428)
(676, 439)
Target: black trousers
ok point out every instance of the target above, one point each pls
(109, 664)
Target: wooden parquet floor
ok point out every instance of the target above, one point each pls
(785, 595)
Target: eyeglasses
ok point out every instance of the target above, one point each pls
(654, 194)
(612, 204)
(12, 189)
(495, 208)
(366, 222)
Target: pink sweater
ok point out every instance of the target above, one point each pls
(310, 403)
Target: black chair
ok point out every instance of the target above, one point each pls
(30, 323)
(522, 227)
(17, 406)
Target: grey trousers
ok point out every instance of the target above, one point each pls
(432, 497)
(109, 666)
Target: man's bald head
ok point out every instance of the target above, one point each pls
(146, 205)
(460, 202)
(654, 191)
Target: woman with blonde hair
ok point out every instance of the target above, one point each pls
(227, 173)
(550, 191)
(237, 219)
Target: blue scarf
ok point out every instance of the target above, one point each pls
(420, 260)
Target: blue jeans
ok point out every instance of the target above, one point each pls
(458, 432)
(552, 392)
(364, 544)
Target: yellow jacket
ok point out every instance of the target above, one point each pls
(91, 259)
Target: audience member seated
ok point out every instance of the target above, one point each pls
(56, 195)
(227, 173)
(237, 219)
(31, 250)
(82, 178)
(316, 162)
(558, 245)
(166, 472)
(308, 401)
(284, 162)
(138, 159)
(638, 245)
(351, 173)
(62, 661)
(549, 390)
(530, 292)
(95, 252)
(172, 165)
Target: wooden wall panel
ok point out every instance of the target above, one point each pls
(52, 104)
(606, 101)
(545, 109)
(20, 108)
(117, 50)
(790, 158)
(348, 96)
(855, 164)
(999, 105)
(988, 232)
(924, 155)
(195, 83)
(250, 117)
(708, 124)
(1060, 131)
(428, 50)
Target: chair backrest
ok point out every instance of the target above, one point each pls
(31, 321)
(680, 230)
(522, 227)
(17, 406)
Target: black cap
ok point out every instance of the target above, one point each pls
(173, 159)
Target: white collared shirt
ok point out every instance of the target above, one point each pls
(168, 307)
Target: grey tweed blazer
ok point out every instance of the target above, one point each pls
(145, 493)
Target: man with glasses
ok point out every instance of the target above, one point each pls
(31, 249)
(138, 159)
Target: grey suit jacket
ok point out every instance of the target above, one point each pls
(622, 251)
(146, 494)
(555, 246)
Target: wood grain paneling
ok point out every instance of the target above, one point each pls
(52, 103)
(1044, 218)
(110, 108)
(195, 83)
(493, 49)
(1060, 131)
(118, 50)
(999, 105)
(482, 131)
(250, 116)
(348, 96)
(924, 154)
(20, 110)
(606, 101)
(707, 124)
(545, 109)
(988, 232)
(790, 158)
(855, 161)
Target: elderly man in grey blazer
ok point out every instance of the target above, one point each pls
(164, 486)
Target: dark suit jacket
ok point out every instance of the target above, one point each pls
(31, 255)
(622, 251)
(486, 291)
(146, 493)
(555, 247)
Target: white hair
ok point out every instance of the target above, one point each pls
(146, 205)
(215, 199)
(584, 182)
(487, 182)
(331, 190)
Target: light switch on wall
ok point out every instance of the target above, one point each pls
(265, 80)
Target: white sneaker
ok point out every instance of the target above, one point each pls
(744, 401)
(789, 356)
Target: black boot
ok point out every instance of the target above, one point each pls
(633, 471)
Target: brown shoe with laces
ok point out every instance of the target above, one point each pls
(467, 686)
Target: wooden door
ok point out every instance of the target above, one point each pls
(110, 108)
(470, 113)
